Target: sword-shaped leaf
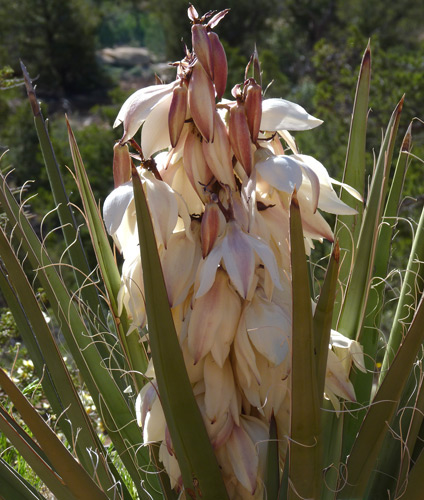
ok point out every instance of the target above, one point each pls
(199, 468)
(305, 440)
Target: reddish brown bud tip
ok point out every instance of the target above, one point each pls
(121, 164)
(192, 13)
(201, 99)
(177, 113)
(240, 137)
(212, 225)
(253, 105)
(220, 69)
(202, 48)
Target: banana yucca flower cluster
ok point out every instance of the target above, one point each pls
(219, 183)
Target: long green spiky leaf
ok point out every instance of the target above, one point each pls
(408, 297)
(133, 350)
(353, 309)
(199, 468)
(305, 439)
(368, 442)
(52, 371)
(118, 416)
(69, 225)
(14, 486)
(272, 471)
(348, 226)
(414, 488)
(323, 316)
(371, 328)
(72, 473)
(28, 449)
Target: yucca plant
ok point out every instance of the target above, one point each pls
(216, 371)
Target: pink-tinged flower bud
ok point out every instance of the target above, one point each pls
(240, 137)
(192, 13)
(177, 113)
(218, 154)
(220, 69)
(201, 99)
(253, 106)
(195, 164)
(202, 48)
(121, 164)
(217, 18)
(213, 225)
(209, 331)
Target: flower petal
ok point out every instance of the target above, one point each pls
(154, 135)
(279, 114)
(282, 172)
(115, 206)
(138, 106)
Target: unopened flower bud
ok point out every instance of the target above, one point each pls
(192, 13)
(220, 69)
(213, 224)
(253, 106)
(201, 99)
(177, 113)
(240, 137)
(195, 164)
(121, 164)
(203, 48)
(218, 154)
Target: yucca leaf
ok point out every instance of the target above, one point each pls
(284, 486)
(408, 297)
(348, 226)
(51, 369)
(305, 439)
(199, 468)
(330, 422)
(353, 308)
(132, 348)
(75, 477)
(332, 440)
(118, 416)
(323, 316)
(68, 223)
(370, 334)
(412, 430)
(414, 487)
(354, 305)
(28, 449)
(272, 471)
(14, 486)
(368, 442)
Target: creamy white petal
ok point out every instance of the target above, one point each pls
(337, 379)
(279, 114)
(171, 465)
(282, 172)
(115, 206)
(154, 135)
(138, 106)
(328, 199)
(238, 258)
(268, 329)
(243, 457)
(352, 191)
(163, 206)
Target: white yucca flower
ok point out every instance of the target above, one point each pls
(219, 199)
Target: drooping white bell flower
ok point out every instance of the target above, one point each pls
(279, 114)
